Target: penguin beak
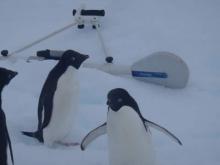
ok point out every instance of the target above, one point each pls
(13, 74)
(85, 57)
(80, 61)
(108, 102)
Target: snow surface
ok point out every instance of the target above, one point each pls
(132, 30)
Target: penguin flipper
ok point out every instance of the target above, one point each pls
(162, 129)
(92, 135)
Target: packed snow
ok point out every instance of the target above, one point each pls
(131, 31)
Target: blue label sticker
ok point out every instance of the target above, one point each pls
(149, 74)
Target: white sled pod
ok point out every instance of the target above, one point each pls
(162, 68)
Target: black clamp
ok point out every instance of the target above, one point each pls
(109, 59)
(4, 53)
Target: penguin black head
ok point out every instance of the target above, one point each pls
(6, 76)
(118, 98)
(73, 58)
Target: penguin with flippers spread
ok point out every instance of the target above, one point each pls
(128, 132)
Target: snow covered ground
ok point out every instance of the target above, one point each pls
(132, 30)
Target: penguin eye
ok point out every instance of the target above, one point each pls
(119, 100)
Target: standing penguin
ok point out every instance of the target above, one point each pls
(58, 102)
(128, 131)
(5, 142)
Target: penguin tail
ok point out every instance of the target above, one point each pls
(30, 134)
(38, 135)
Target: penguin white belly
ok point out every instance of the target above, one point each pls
(129, 143)
(65, 107)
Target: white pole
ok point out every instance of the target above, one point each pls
(110, 68)
(43, 38)
(106, 67)
(95, 23)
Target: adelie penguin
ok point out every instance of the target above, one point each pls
(129, 137)
(6, 154)
(58, 102)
